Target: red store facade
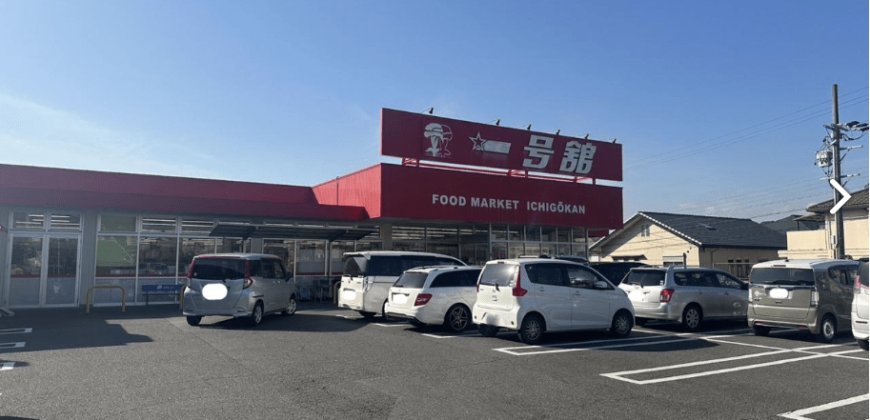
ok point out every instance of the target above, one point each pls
(473, 191)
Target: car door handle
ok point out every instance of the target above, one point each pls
(540, 289)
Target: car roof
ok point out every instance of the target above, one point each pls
(532, 260)
(438, 268)
(238, 255)
(819, 263)
(369, 254)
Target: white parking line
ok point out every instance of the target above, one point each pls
(349, 317)
(404, 324)
(16, 330)
(7, 366)
(619, 375)
(464, 334)
(800, 414)
(17, 345)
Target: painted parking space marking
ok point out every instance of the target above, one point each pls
(16, 345)
(812, 351)
(608, 344)
(7, 366)
(802, 413)
(621, 375)
(447, 335)
(16, 331)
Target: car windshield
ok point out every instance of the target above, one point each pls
(782, 275)
(646, 277)
(218, 269)
(498, 274)
(413, 280)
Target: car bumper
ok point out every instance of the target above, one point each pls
(665, 311)
(860, 327)
(809, 323)
(418, 313)
(509, 319)
(195, 305)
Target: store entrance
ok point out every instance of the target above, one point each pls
(43, 270)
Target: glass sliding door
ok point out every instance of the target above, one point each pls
(25, 271)
(43, 270)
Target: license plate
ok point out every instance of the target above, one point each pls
(779, 293)
(400, 299)
(348, 295)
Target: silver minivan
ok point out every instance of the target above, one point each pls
(687, 295)
(368, 276)
(860, 304)
(812, 295)
(238, 285)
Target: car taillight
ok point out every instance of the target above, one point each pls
(666, 295)
(422, 299)
(861, 289)
(517, 290)
(248, 282)
(814, 298)
(478, 287)
(190, 271)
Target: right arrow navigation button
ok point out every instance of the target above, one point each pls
(846, 196)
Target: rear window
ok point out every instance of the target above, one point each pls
(498, 274)
(782, 275)
(862, 273)
(411, 280)
(645, 277)
(218, 269)
(355, 266)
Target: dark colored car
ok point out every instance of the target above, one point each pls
(615, 271)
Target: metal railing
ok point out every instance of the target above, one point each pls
(107, 286)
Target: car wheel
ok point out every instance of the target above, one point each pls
(828, 330)
(384, 313)
(692, 317)
(531, 330)
(863, 344)
(640, 321)
(193, 320)
(457, 319)
(621, 325)
(291, 307)
(256, 315)
(367, 315)
(487, 330)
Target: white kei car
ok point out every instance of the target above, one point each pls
(435, 295)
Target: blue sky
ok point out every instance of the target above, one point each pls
(720, 106)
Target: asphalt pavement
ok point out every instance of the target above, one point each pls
(327, 363)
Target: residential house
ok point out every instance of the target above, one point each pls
(819, 243)
(728, 243)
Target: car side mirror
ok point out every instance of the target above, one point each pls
(600, 284)
(744, 286)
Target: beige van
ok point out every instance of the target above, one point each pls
(812, 295)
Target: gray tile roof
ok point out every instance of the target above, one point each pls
(718, 231)
(858, 200)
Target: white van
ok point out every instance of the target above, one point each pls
(368, 276)
(534, 296)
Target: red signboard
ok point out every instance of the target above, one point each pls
(412, 193)
(427, 137)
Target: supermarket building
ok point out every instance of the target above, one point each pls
(469, 190)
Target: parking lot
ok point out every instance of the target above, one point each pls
(325, 362)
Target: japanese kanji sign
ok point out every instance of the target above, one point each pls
(427, 137)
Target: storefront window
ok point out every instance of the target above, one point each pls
(116, 256)
(191, 247)
(337, 250)
(499, 250)
(548, 234)
(533, 249)
(415, 246)
(446, 249)
(66, 222)
(114, 223)
(499, 232)
(158, 225)
(563, 249)
(226, 245)
(29, 221)
(515, 233)
(283, 249)
(533, 233)
(157, 257)
(196, 227)
(310, 258)
(563, 234)
(515, 250)
(368, 246)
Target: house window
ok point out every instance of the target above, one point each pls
(644, 231)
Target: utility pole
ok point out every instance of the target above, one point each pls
(840, 246)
